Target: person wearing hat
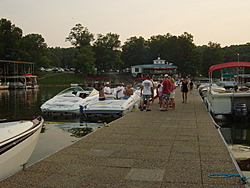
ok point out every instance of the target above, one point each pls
(107, 90)
(128, 92)
(120, 90)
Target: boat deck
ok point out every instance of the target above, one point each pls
(175, 148)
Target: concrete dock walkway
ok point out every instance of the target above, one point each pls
(174, 148)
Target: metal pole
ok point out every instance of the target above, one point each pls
(238, 69)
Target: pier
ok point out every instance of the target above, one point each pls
(174, 148)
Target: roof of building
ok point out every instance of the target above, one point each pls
(21, 62)
(155, 66)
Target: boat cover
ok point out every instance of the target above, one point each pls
(228, 65)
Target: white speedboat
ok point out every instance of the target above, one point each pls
(233, 102)
(113, 107)
(69, 101)
(18, 139)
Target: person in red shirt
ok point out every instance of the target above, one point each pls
(167, 86)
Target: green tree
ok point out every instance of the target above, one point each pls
(10, 37)
(55, 56)
(185, 50)
(45, 60)
(159, 46)
(194, 67)
(84, 61)
(237, 52)
(175, 49)
(34, 48)
(68, 55)
(107, 53)
(80, 36)
(134, 52)
(212, 54)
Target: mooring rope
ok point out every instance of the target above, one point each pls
(228, 175)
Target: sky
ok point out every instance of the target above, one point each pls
(226, 22)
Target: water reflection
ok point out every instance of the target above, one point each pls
(57, 132)
(237, 136)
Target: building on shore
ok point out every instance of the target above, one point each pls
(17, 75)
(158, 69)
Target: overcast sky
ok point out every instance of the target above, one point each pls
(222, 21)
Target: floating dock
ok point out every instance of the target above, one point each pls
(174, 148)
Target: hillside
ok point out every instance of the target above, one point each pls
(68, 78)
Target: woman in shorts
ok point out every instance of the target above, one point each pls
(172, 94)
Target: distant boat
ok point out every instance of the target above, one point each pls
(21, 81)
(18, 74)
(18, 138)
(69, 101)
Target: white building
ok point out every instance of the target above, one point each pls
(157, 69)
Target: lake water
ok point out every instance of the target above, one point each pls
(57, 132)
(60, 132)
(237, 137)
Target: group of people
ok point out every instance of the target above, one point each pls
(121, 91)
(165, 91)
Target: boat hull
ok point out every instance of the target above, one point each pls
(113, 107)
(15, 151)
(226, 103)
(68, 102)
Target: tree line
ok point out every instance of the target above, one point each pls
(90, 55)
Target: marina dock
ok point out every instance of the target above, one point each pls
(174, 148)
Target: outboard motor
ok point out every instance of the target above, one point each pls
(241, 110)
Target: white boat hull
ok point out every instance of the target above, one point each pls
(68, 103)
(225, 103)
(17, 149)
(114, 107)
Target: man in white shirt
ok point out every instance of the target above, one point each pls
(107, 90)
(146, 92)
(120, 90)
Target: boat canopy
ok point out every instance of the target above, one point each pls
(227, 75)
(228, 65)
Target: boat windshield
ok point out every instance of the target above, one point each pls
(72, 90)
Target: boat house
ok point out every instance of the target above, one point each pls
(156, 70)
(17, 74)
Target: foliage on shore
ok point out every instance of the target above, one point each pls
(61, 78)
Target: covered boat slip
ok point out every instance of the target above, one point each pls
(234, 102)
(18, 74)
(174, 148)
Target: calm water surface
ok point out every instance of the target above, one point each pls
(57, 133)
